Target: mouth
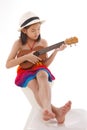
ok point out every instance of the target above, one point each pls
(35, 37)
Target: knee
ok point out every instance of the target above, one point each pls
(42, 75)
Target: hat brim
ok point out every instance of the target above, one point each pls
(30, 23)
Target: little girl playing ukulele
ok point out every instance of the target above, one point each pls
(38, 76)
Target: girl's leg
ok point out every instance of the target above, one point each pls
(33, 85)
(44, 93)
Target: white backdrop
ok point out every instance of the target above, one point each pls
(64, 19)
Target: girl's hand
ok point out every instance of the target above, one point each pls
(62, 47)
(32, 58)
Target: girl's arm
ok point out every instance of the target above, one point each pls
(14, 61)
(50, 59)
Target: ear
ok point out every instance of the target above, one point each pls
(24, 30)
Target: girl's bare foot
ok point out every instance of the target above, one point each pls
(47, 115)
(62, 111)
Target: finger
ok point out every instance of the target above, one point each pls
(38, 58)
(31, 61)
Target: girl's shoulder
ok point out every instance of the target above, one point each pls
(44, 42)
(17, 43)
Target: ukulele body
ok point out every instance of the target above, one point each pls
(27, 64)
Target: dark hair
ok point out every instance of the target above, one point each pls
(24, 37)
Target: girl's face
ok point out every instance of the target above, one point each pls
(33, 31)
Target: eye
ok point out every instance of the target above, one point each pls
(32, 30)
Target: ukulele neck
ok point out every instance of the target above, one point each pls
(47, 49)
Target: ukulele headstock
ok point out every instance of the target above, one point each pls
(70, 41)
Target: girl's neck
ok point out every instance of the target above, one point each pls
(31, 44)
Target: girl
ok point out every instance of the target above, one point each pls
(38, 76)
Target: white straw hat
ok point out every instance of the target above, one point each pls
(27, 19)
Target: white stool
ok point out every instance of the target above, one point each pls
(76, 119)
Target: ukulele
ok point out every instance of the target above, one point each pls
(41, 52)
